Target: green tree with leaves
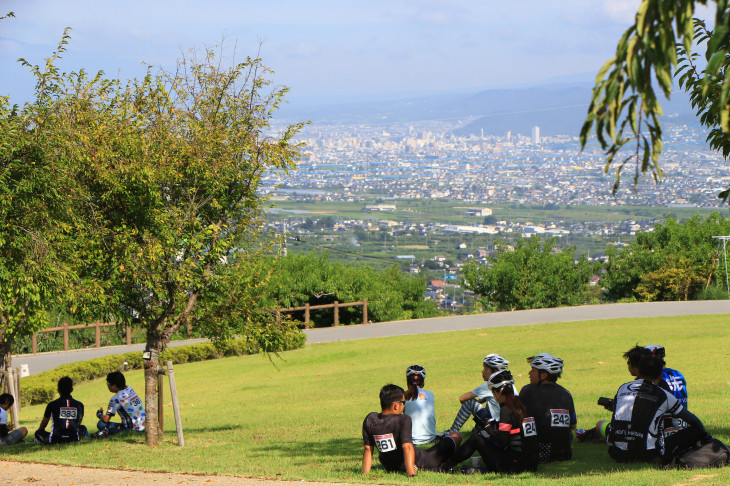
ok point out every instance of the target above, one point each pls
(625, 110)
(41, 234)
(675, 261)
(532, 275)
(168, 171)
(304, 278)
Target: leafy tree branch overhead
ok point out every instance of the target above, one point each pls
(625, 109)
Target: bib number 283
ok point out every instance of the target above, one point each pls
(385, 443)
(559, 417)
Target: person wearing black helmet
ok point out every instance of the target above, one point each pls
(507, 445)
(480, 398)
(551, 405)
(420, 406)
(673, 379)
(390, 433)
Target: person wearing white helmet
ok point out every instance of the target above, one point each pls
(474, 400)
(551, 405)
(507, 445)
(420, 406)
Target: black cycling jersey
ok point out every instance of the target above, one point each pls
(67, 414)
(552, 407)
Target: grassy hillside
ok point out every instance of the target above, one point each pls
(301, 417)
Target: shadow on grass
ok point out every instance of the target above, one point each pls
(345, 455)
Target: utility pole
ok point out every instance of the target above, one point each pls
(724, 240)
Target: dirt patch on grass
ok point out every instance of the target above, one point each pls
(12, 472)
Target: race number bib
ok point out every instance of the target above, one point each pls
(529, 429)
(385, 443)
(68, 413)
(559, 418)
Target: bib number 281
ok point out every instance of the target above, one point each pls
(385, 443)
(559, 417)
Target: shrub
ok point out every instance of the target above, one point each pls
(41, 388)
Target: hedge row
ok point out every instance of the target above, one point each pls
(41, 388)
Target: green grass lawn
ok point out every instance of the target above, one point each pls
(301, 418)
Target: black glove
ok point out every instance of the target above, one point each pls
(99, 414)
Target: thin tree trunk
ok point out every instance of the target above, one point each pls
(151, 370)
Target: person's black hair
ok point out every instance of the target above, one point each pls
(634, 355)
(7, 398)
(65, 386)
(414, 382)
(651, 367)
(390, 394)
(117, 379)
(513, 402)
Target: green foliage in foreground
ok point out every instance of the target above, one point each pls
(301, 419)
(41, 388)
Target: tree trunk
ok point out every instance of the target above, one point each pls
(6, 358)
(151, 370)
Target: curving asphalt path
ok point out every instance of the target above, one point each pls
(46, 361)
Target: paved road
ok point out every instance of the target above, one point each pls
(46, 361)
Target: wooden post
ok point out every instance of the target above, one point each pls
(65, 336)
(11, 389)
(278, 317)
(175, 405)
(160, 405)
(129, 335)
(364, 311)
(98, 334)
(34, 344)
(306, 315)
(16, 374)
(337, 313)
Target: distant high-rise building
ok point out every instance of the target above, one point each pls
(536, 135)
(509, 136)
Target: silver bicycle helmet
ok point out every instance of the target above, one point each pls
(496, 362)
(416, 370)
(547, 362)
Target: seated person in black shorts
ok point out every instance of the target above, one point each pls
(67, 415)
(390, 432)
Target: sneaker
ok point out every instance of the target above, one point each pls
(101, 434)
(585, 435)
(472, 470)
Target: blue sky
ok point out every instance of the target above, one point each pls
(327, 49)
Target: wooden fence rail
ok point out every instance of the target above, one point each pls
(66, 328)
(336, 306)
(98, 325)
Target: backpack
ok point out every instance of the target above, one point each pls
(710, 454)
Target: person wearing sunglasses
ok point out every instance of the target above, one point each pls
(390, 433)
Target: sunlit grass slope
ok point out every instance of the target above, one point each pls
(301, 417)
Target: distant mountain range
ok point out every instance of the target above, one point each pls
(558, 109)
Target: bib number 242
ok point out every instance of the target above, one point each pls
(559, 417)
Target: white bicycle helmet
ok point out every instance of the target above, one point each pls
(496, 362)
(416, 370)
(500, 379)
(656, 350)
(547, 362)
